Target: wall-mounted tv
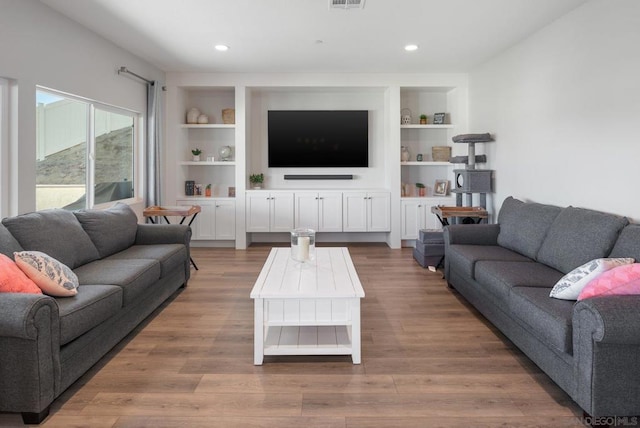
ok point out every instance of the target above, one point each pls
(318, 138)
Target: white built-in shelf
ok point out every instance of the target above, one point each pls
(208, 125)
(426, 163)
(205, 163)
(418, 126)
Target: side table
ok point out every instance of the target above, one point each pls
(184, 211)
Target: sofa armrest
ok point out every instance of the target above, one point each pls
(150, 234)
(606, 345)
(610, 319)
(18, 314)
(471, 234)
(30, 358)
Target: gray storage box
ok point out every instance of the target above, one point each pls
(426, 261)
(429, 249)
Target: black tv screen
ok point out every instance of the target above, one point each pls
(318, 138)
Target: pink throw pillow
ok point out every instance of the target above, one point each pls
(621, 280)
(13, 280)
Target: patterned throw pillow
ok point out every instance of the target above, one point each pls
(13, 280)
(622, 280)
(570, 285)
(53, 277)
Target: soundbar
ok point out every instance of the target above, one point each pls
(318, 177)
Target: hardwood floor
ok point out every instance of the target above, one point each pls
(428, 360)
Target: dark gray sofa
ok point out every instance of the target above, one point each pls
(125, 270)
(590, 348)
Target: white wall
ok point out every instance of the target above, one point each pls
(565, 108)
(39, 46)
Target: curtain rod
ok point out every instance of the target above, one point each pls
(127, 71)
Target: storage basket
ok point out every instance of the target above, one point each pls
(441, 153)
(229, 116)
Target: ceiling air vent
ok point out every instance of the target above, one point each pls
(346, 4)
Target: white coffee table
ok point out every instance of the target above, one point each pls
(307, 309)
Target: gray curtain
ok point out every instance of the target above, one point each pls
(153, 164)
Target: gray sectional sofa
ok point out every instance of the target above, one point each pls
(590, 348)
(125, 271)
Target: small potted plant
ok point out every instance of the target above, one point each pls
(196, 154)
(207, 190)
(421, 189)
(423, 119)
(256, 180)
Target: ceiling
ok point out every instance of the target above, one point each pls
(306, 36)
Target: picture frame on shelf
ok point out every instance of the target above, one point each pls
(441, 187)
(438, 118)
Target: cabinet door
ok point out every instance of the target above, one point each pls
(258, 207)
(379, 212)
(412, 218)
(330, 212)
(354, 209)
(306, 210)
(281, 212)
(205, 223)
(225, 219)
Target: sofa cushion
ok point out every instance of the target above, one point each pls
(91, 306)
(8, 244)
(523, 226)
(54, 232)
(546, 318)
(53, 277)
(466, 256)
(627, 243)
(622, 280)
(570, 285)
(110, 230)
(170, 256)
(13, 280)
(578, 235)
(134, 276)
(500, 277)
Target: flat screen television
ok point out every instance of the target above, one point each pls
(318, 138)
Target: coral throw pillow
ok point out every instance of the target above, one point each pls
(570, 285)
(13, 280)
(53, 277)
(618, 281)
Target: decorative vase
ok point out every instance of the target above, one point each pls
(404, 154)
(196, 158)
(423, 121)
(207, 191)
(422, 191)
(192, 115)
(203, 119)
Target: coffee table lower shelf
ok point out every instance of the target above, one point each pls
(308, 340)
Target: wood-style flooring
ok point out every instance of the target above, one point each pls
(428, 360)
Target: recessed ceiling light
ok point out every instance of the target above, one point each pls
(411, 48)
(222, 48)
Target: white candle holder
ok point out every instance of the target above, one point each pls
(303, 245)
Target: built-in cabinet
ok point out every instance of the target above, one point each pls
(320, 211)
(216, 220)
(416, 214)
(366, 212)
(328, 211)
(269, 211)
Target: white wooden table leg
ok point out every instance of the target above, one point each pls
(258, 332)
(355, 331)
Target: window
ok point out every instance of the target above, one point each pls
(85, 152)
